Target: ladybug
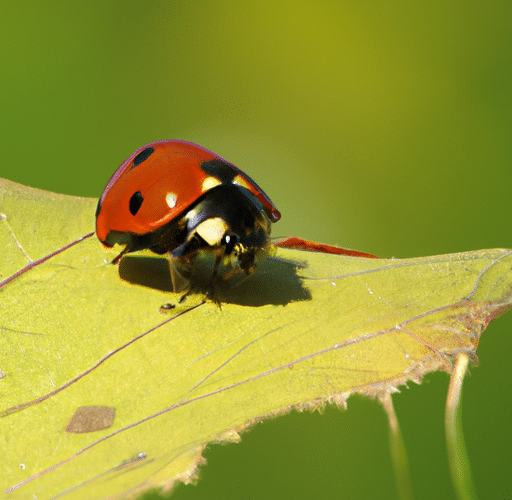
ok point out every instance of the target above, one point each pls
(176, 197)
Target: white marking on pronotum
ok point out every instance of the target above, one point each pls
(212, 230)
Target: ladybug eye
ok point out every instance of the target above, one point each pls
(142, 156)
(136, 202)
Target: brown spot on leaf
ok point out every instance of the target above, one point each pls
(91, 419)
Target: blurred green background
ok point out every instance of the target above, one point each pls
(380, 126)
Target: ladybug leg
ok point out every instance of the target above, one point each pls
(180, 274)
(179, 268)
(184, 296)
(215, 281)
(167, 307)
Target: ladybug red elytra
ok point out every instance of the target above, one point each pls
(176, 197)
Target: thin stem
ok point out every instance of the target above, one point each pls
(457, 454)
(398, 452)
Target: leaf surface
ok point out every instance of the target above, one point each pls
(102, 395)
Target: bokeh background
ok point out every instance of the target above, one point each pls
(380, 126)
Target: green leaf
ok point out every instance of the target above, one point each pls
(102, 395)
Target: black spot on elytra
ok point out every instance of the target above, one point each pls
(143, 156)
(136, 202)
(220, 169)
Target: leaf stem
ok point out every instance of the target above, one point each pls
(457, 454)
(398, 452)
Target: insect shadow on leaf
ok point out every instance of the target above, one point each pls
(275, 281)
